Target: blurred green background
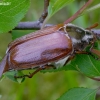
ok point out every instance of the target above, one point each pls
(48, 86)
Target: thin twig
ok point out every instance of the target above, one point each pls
(36, 25)
(78, 12)
(45, 12)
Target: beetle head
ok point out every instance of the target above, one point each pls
(79, 36)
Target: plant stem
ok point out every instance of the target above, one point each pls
(45, 12)
(78, 12)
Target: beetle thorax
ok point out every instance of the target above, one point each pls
(79, 36)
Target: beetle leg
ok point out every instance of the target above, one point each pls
(37, 70)
(94, 51)
(84, 52)
(30, 74)
(33, 73)
(73, 55)
(81, 52)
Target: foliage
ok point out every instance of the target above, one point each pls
(11, 15)
(56, 5)
(79, 94)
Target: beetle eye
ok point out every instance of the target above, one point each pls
(88, 32)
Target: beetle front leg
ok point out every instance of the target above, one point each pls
(73, 55)
(95, 51)
(92, 50)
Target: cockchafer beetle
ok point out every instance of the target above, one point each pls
(46, 48)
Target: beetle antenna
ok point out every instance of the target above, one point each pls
(92, 26)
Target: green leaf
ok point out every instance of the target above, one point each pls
(11, 14)
(56, 5)
(11, 75)
(87, 65)
(79, 94)
(1, 78)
